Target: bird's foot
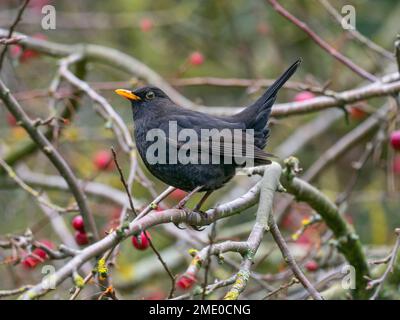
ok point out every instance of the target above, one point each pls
(179, 227)
(202, 213)
(197, 228)
(203, 216)
(187, 213)
(181, 205)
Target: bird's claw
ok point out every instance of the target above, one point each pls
(187, 213)
(196, 228)
(202, 214)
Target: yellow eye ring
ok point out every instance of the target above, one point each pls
(150, 95)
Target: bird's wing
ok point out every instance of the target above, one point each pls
(230, 141)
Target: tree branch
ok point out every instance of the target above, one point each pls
(52, 154)
(322, 43)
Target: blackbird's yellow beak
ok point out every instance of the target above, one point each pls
(127, 94)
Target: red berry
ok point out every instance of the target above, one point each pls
(40, 252)
(81, 238)
(311, 266)
(396, 164)
(357, 113)
(78, 223)
(186, 280)
(103, 160)
(30, 262)
(395, 140)
(196, 58)
(141, 242)
(15, 51)
(178, 194)
(303, 96)
(146, 24)
(11, 120)
(38, 255)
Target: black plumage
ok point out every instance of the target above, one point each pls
(153, 109)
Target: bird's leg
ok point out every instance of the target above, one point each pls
(198, 207)
(183, 202)
(202, 200)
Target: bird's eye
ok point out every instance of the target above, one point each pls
(150, 95)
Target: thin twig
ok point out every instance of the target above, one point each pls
(126, 187)
(284, 286)
(172, 277)
(208, 259)
(280, 241)
(12, 28)
(13, 292)
(390, 267)
(11, 173)
(52, 154)
(356, 34)
(12, 40)
(322, 43)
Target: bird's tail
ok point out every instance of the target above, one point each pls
(273, 90)
(256, 115)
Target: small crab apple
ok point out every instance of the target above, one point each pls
(395, 139)
(146, 24)
(311, 266)
(141, 242)
(78, 223)
(38, 252)
(30, 262)
(178, 194)
(186, 281)
(303, 96)
(196, 58)
(81, 238)
(103, 160)
(38, 255)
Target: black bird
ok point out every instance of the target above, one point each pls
(153, 109)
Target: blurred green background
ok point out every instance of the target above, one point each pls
(237, 39)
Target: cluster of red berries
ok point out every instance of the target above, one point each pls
(81, 236)
(37, 256)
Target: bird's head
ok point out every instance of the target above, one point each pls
(144, 96)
